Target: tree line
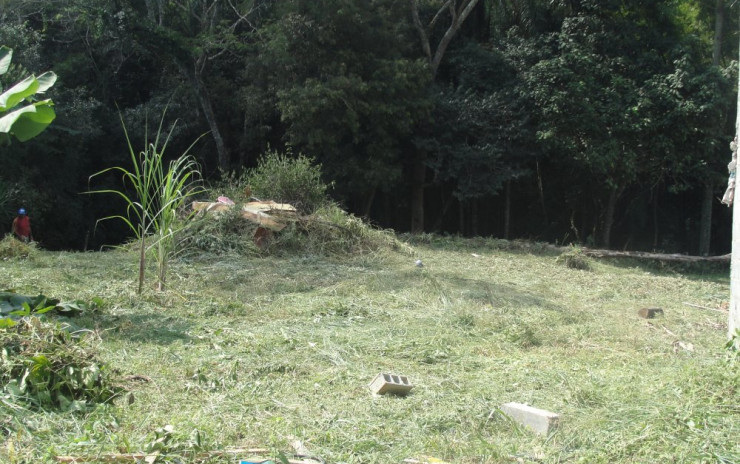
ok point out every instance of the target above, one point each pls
(605, 123)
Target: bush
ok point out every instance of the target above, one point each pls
(285, 178)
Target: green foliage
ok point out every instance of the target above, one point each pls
(285, 178)
(480, 136)
(342, 82)
(46, 367)
(575, 258)
(733, 346)
(21, 114)
(14, 306)
(559, 100)
(159, 194)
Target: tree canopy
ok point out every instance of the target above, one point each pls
(604, 123)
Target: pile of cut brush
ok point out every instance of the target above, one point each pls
(47, 363)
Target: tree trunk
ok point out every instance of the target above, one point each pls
(609, 217)
(369, 203)
(443, 212)
(418, 179)
(434, 58)
(656, 224)
(458, 17)
(204, 100)
(507, 210)
(705, 225)
(541, 191)
(474, 218)
(705, 232)
(461, 217)
(719, 20)
(733, 323)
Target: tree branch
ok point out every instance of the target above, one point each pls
(420, 29)
(457, 19)
(438, 15)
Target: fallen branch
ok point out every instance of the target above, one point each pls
(656, 256)
(704, 307)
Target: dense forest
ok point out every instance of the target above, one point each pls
(606, 123)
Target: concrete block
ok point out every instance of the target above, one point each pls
(390, 383)
(650, 313)
(538, 420)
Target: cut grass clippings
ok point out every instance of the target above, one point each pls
(258, 352)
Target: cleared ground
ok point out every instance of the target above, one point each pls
(258, 352)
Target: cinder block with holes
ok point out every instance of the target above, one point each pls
(539, 420)
(390, 383)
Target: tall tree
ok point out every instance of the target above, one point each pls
(193, 35)
(346, 89)
(454, 13)
(705, 226)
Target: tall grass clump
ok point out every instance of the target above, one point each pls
(158, 195)
(285, 178)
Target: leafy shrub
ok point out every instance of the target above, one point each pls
(46, 367)
(285, 178)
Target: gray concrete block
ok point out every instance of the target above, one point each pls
(390, 383)
(539, 420)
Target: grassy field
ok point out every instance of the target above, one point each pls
(258, 352)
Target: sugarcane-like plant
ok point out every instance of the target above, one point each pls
(159, 195)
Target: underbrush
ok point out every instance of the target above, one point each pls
(12, 248)
(328, 231)
(332, 231)
(48, 365)
(317, 226)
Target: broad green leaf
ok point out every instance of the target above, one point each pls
(25, 311)
(43, 310)
(6, 54)
(71, 308)
(28, 121)
(18, 93)
(46, 80)
(6, 323)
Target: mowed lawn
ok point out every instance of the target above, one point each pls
(258, 352)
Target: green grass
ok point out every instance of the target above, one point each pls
(257, 352)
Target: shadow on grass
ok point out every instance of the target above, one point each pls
(152, 327)
(707, 272)
(498, 294)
